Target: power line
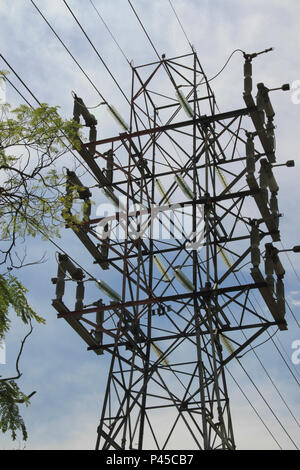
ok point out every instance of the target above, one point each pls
(109, 31)
(267, 404)
(96, 51)
(77, 63)
(287, 356)
(265, 370)
(144, 29)
(37, 101)
(271, 337)
(253, 407)
(277, 390)
(192, 47)
(20, 79)
(257, 345)
(181, 25)
(224, 66)
(286, 363)
(292, 313)
(32, 221)
(15, 88)
(82, 29)
(69, 52)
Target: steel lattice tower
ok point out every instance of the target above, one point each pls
(195, 198)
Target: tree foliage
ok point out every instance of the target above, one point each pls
(13, 294)
(32, 198)
(31, 191)
(10, 418)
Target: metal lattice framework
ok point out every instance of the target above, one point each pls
(196, 198)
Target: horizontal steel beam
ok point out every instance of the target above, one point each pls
(166, 207)
(225, 329)
(203, 120)
(156, 300)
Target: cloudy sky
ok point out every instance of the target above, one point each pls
(69, 380)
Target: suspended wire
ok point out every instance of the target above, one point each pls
(288, 356)
(68, 51)
(269, 334)
(268, 375)
(252, 348)
(270, 378)
(181, 25)
(96, 51)
(22, 96)
(126, 58)
(253, 407)
(260, 344)
(77, 63)
(272, 339)
(292, 313)
(32, 221)
(111, 34)
(286, 363)
(274, 384)
(144, 29)
(20, 79)
(37, 101)
(37, 227)
(159, 58)
(267, 404)
(225, 65)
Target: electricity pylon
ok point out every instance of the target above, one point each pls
(195, 196)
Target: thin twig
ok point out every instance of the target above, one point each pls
(19, 356)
